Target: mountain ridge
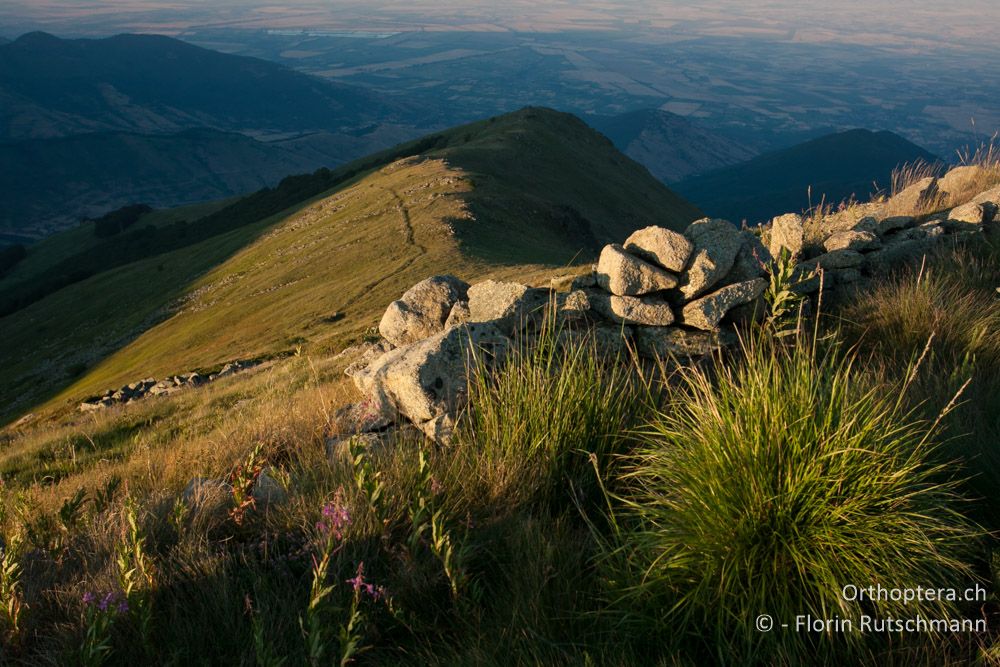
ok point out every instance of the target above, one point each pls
(322, 270)
(672, 147)
(828, 169)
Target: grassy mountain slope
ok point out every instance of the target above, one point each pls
(670, 146)
(835, 166)
(500, 197)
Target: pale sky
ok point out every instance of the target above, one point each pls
(942, 22)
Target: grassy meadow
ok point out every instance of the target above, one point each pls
(593, 510)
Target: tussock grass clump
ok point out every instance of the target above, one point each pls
(951, 302)
(769, 485)
(554, 402)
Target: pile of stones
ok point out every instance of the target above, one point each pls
(661, 293)
(148, 387)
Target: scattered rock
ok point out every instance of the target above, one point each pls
(886, 225)
(852, 240)
(508, 306)
(665, 342)
(267, 491)
(649, 311)
(427, 380)
(208, 495)
(661, 247)
(626, 275)
(786, 232)
(459, 315)
(960, 178)
(362, 355)
(422, 310)
(716, 244)
(974, 214)
(836, 259)
(894, 254)
(922, 195)
(364, 416)
(708, 311)
(751, 261)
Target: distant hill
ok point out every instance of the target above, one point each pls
(670, 146)
(49, 184)
(72, 112)
(836, 167)
(51, 87)
(317, 258)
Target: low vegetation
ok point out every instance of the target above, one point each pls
(592, 510)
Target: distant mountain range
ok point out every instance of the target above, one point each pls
(670, 146)
(90, 125)
(51, 87)
(829, 169)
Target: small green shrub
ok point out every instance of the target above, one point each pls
(767, 486)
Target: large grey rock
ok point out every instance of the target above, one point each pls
(267, 491)
(666, 342)
(973, 214)
(893, 223)
(852, 240)
(649, 310)
(992, 195)
(836, 259)
(626, 275)
(662, 247)
(365, 416)
(896, 253)
(422, 310)
(574, 306)
(915, 199)
(786, 232)
(751, 261)
(509, 306)
(708, 311)
(361, 355)
(716, 244)
(960, 179)
(338, 449)
(459, 315)
(426, 382)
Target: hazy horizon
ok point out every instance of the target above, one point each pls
(965, 25)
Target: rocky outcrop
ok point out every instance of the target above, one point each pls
(422, 310)
(660, 294)
(426, 382)
(663, 247)
(707, 312)
(786, 233)
(506, 305)
(150, 387)
(716, 244)
(624, 274)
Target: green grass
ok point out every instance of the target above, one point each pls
(764, 488)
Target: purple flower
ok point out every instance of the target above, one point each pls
(360, 586)
(336, 517)
(359, 579)
(106, 601)
(88, 598)
(122, 606)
